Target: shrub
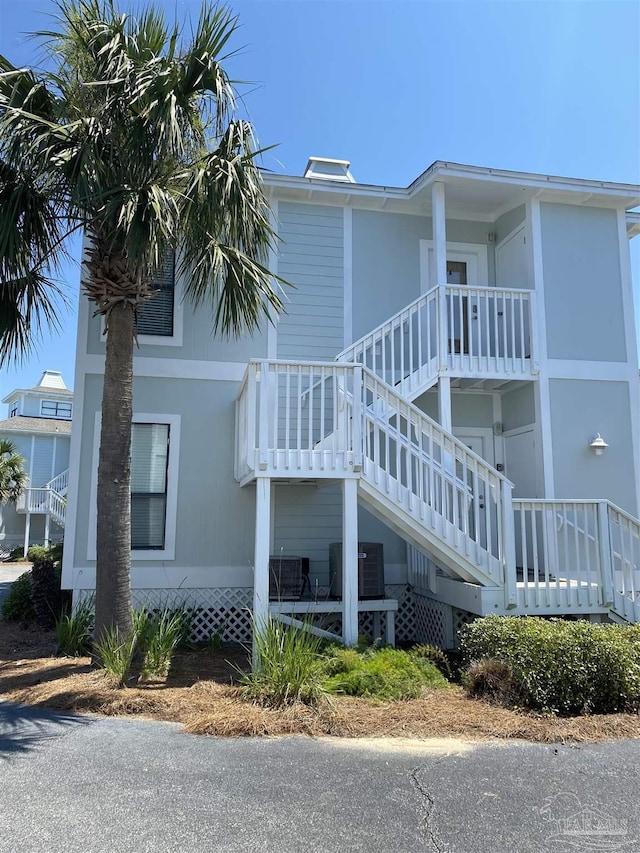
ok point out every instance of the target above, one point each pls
(16, 555)
(380, 673)
(559, 666)
(17, 606)
(73, 630)
(287, 668)
(435, 656)
(493, 680)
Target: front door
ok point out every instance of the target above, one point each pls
(458, 309)
(481, 499)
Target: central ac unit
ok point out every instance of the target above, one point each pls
(288, 577)
(370, 570)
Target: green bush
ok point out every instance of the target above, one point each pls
(559, 666)
(17, 606)
(435, 656)
(380, 673)
(288, 666)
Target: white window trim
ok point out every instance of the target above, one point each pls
(155, 554)
(57, 403)
(476, 251)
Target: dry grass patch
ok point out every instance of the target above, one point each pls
(200, 693)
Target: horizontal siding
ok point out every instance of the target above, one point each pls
(307, 521)
(312, 259)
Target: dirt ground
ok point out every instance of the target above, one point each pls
(200, 693)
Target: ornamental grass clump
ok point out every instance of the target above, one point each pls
(74, 629)
(288, 666)
(555, 666)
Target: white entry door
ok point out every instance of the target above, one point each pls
(482, 501)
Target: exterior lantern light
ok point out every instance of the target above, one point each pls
(598, 445)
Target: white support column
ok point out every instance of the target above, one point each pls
(350, 562)
(27, 530)
(444, 403)
(47, 529)
(261, 555)
(440, 257)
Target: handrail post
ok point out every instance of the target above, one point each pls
(533, 333)
(606, 561)
(263, 425)
(508, 546)
(442, 327)
(356, 422)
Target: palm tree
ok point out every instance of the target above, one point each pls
(13, 477)
(131, 134)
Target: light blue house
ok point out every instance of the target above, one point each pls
(444, 423)
(39, 424)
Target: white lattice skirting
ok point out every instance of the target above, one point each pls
(227, 610)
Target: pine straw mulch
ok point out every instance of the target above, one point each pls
(199, 693)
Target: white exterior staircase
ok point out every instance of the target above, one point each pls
(49, 500)
(354, 419)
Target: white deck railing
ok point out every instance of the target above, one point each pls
(293, 419)
(472, 331)
(43, 501)
(488, 330)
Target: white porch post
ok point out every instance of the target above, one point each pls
(27, 527)
(47, 529)
(261, 556)
(350, 562)
(440, 256)
(444, 402)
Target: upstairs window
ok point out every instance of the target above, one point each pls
(155, 316)
(14, 411)
(149, 459)
(53, 409)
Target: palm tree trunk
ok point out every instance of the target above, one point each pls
(113, 568)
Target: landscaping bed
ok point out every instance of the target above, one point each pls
(201, 692)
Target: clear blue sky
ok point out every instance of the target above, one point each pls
(550, 87)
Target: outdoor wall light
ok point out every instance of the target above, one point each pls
(598, 444)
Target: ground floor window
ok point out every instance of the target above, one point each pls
(149, 460)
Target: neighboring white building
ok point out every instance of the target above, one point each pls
(39, 424)
(450, 355)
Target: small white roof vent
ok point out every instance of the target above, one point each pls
(52, 379)
(332, 170)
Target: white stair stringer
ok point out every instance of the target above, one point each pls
(624, 609)
(439, 536)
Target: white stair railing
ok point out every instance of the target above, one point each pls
(404, 349)
(60, 483)
(479, 331)
(624, 544)
(436, 478)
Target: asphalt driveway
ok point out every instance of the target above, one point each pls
(85, 784)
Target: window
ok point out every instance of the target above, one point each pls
(155, 316)
(149, 460)
(14, 411)
(52, 409)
